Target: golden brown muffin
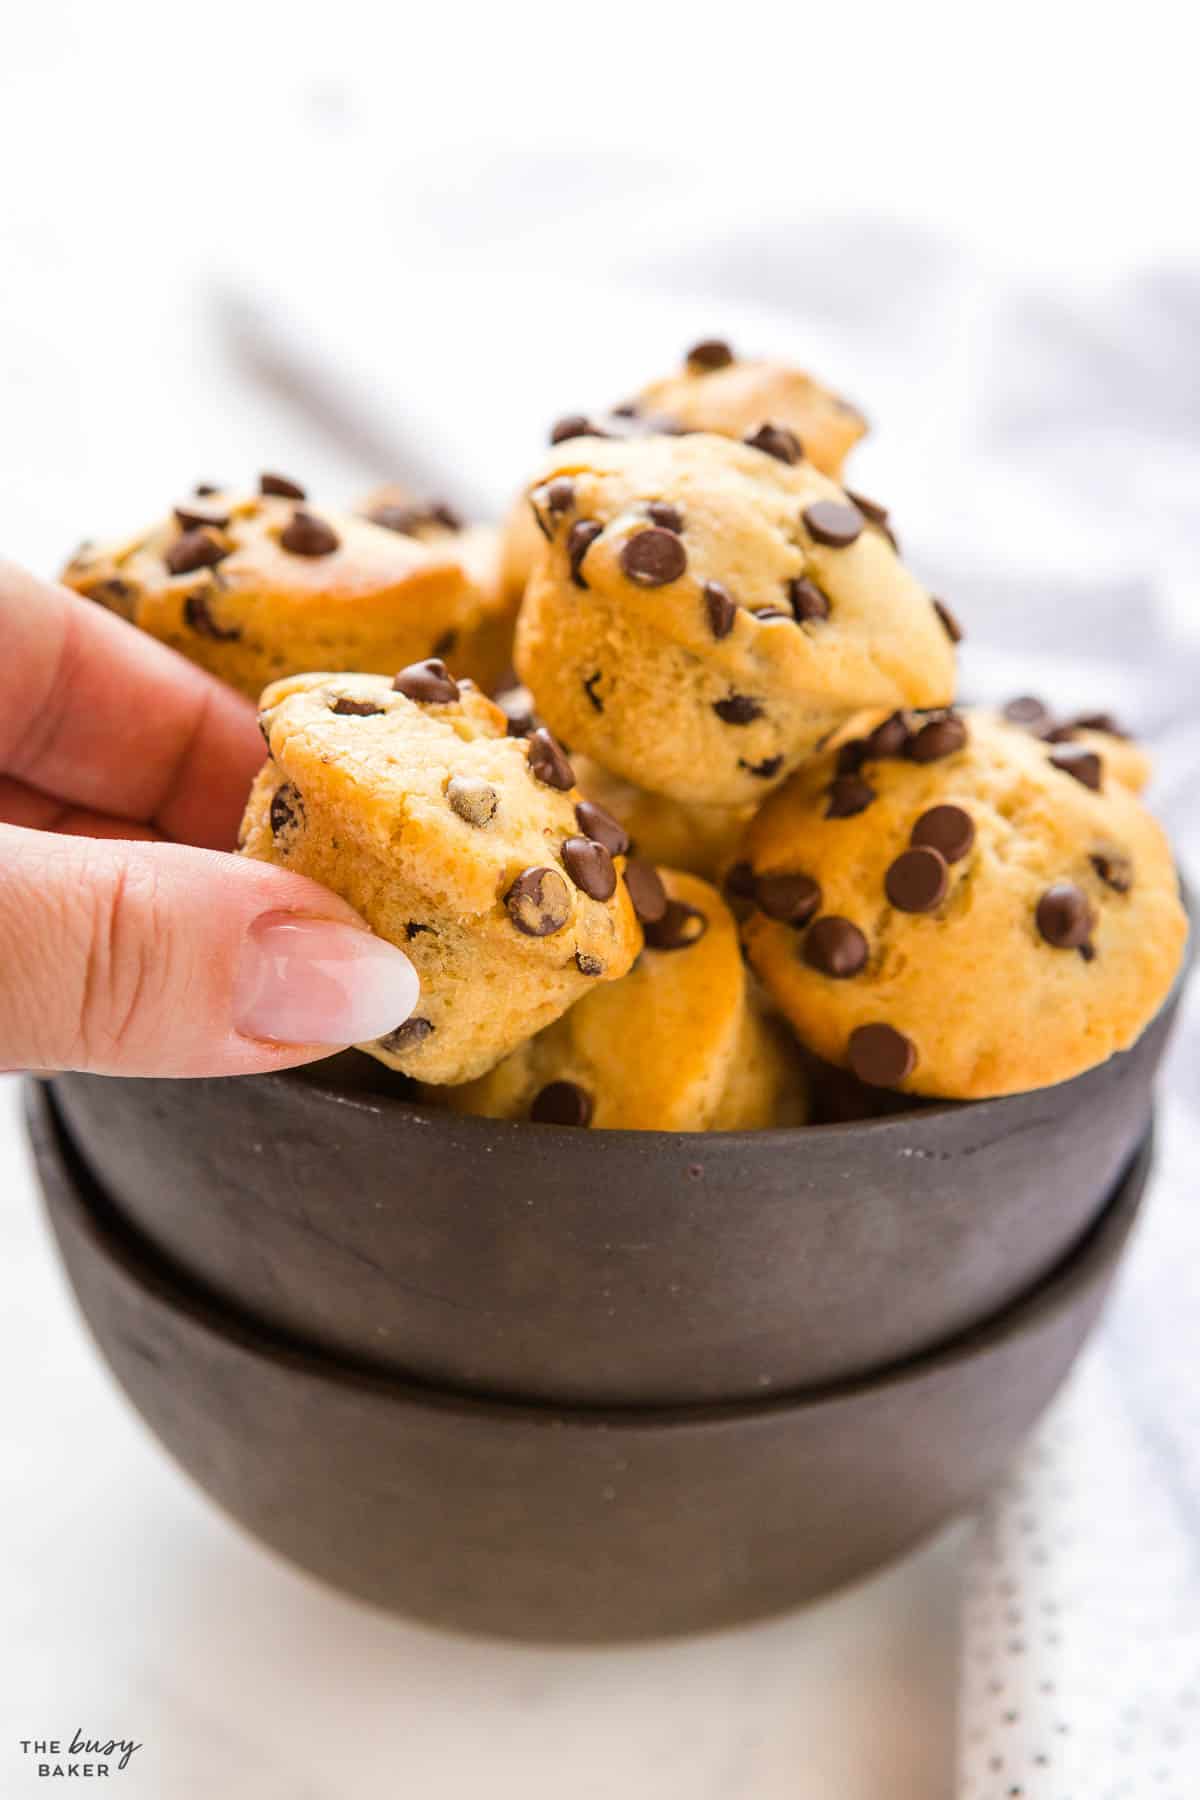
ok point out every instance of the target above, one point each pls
(954, 907)
(254, 587)
(680, 1044)
(471, 850)
(699, 839)
(703, 613)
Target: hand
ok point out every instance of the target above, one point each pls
(129, 944)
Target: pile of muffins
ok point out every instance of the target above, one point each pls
(724, 828)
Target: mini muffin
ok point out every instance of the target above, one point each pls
(953, 907)
(472, 850)
(680, 1044)
(702, 614)
(254, 587)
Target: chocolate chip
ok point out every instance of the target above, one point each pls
(739, 883)
(950, 624)
(1096, 722)
(198, 549)
(654, 557)
(806, 599)
(1115, 869)
(946, 829)
(738, 709)
(348, 708)
(661, 512)
(203, 488)
(1028, 712)
(1064, 916)
(560, 495)
(539, 902)
(287, 810)
(646, 891)
(588, 965)
(445, 644)
(938, 738)
(917, 881)
(590, 867)
(414, 928)
(281, 486)
(562, 1103)
(851, 756)
(776, 441)
(115, 593)
(197, 614)
(768, 767)
(547, 762)
(429, 681)
(601, 827)
(192, 517)
(890, 738)
(516, 703)
(833, 946)
(589, 688)
(306, 535)
(877, 515)
(881, 1056)
(580, 539)
(680, 926)
(410, 521)
(721, 607)
(793, 899)
(574, 425)
(849, 795)
(408, 1035)
(475, 801)
(709, 354)
(834, 522)
(1083, 764)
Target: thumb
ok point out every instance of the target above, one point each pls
(158, 959)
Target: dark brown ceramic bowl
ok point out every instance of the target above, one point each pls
(606, 1268)
(544, 1522)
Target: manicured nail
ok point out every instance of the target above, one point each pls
(311, 981)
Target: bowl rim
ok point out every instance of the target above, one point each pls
(61, 1166)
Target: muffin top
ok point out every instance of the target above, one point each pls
(952, 906)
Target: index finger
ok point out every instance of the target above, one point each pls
(98, 714)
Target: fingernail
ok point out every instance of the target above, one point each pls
(312, 981)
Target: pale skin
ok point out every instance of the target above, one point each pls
(131, 941)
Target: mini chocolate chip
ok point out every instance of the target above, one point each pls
(876, 515)
(197, 614)
(849, 795)
(203, 488)
(355, 709)
(833, 946)
(409, 521)
(429, 681)
(588, 965)
(590, 867)
(680, 926)
(740, 881)
(475, 801)
(560, 495)
(280, 486)
(946, 829)
(574, 425)
(601, 827)
(115, 593)
(776, 441)
(539, 902)
(1083, 764)
(306, 535)
(654, 557)
(589, 688)
(661, 512)
(950, 624)
(1115, 869)
(709, 354)
(721, 607)
(738, 709)
(1096, 722)
(1028, 712)
(408, 1035)
(881, 1056)
(938, 738)
(917, 881)
(414, 928)
(851, 756)
(806, 599)
(562, 1103)
(1064, 916)
(547, 762)
(646, 891)
(192, 517)
(198, 549)
(516, 703)
(769, 766)
(890, 738)
(793, 899)
(287, 810)
(834, 522)
(445, 643)
(580, 539)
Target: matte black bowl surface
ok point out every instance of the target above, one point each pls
(543, 1522)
